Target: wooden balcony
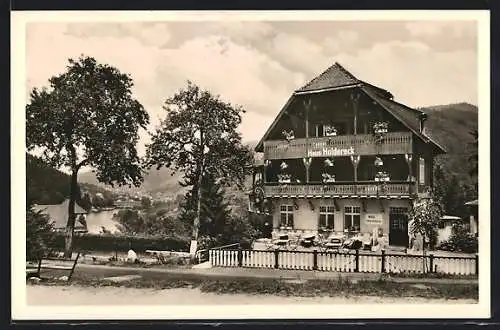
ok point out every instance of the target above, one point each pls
(341, 189)
(343, 145)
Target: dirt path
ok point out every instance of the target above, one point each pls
(75, 295)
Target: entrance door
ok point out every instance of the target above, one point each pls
(398, 226)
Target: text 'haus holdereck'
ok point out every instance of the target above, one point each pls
(341, 156)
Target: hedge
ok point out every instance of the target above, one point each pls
(122, 243)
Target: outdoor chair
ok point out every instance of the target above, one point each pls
(307, 240)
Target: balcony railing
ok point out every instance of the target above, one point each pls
(368, 189)
(343, 145)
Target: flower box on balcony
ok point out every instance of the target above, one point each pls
(380, 128)
(284, 178)
(328, 178)
(330, 130)
(382, 176)
(288, 135)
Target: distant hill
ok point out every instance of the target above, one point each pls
(162, 182)
(450, 125)
(156, 181)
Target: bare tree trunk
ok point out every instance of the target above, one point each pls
(197, 219)
(70, 226)
(196, 224)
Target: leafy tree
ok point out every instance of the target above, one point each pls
(87, 117)
(424, 219)
(145, 202)
(86, 202)
(439, 184)
(473, 158)
(214, 209)
(39, 234)
(152, 222)
(129, 222)
(239, 229)
(199, 137)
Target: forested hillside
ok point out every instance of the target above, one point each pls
(46, 185)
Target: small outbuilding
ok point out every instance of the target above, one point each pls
(58, 214)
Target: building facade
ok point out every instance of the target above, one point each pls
(343, 156)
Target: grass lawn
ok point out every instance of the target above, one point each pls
(313, 288)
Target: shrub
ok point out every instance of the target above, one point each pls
(112, 243)
(460, 241)
(39, 235)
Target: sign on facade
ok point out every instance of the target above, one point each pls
(374, 219)
(330, 152)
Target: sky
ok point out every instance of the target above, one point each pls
(258, 64)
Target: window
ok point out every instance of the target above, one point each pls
(421, 172)
(352, 218)
(326, 217)
(286, 216)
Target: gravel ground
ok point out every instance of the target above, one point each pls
(76, 295)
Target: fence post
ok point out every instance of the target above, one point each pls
(356, 269)
(431, 263)
(315, 259)
(383, 262)
(477, 264)
(240, 257)
(276, 256)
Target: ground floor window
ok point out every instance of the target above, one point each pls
(286, 216)
(326, 217)
(352, 216)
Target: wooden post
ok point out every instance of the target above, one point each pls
(307, 163)
(383, 262)
(315, 259)
(307, 105)
(73, 268)
(355, 100)
(477, 264)
(240, 257)
(276, 256)
(264, 176)
(357, 261)
(431, 263)
(355, 161)
(116, 250)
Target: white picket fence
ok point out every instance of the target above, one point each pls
(342, 262)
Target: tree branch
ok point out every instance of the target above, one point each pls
(82, 163)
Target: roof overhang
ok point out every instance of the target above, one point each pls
(323, 90)
(426, 139)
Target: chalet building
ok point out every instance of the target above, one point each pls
(343, 156)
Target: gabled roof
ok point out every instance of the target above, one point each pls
(59, 214)
(333, 77)
(337, 77)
